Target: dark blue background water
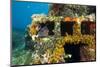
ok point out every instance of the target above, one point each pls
(22, 12)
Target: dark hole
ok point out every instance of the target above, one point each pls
(66, 27)
(74, 51)
(85, 27)
(49, 25)
(42, 25)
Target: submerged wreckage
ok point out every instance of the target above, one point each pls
(58, 39)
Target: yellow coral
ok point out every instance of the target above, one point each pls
(33, 30)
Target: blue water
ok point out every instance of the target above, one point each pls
(21, 13)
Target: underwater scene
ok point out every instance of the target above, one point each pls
(52, 33)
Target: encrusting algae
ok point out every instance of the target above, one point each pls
(50, 48)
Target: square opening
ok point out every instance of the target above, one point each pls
(74, 51)
(66, 28)
(46, 29)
